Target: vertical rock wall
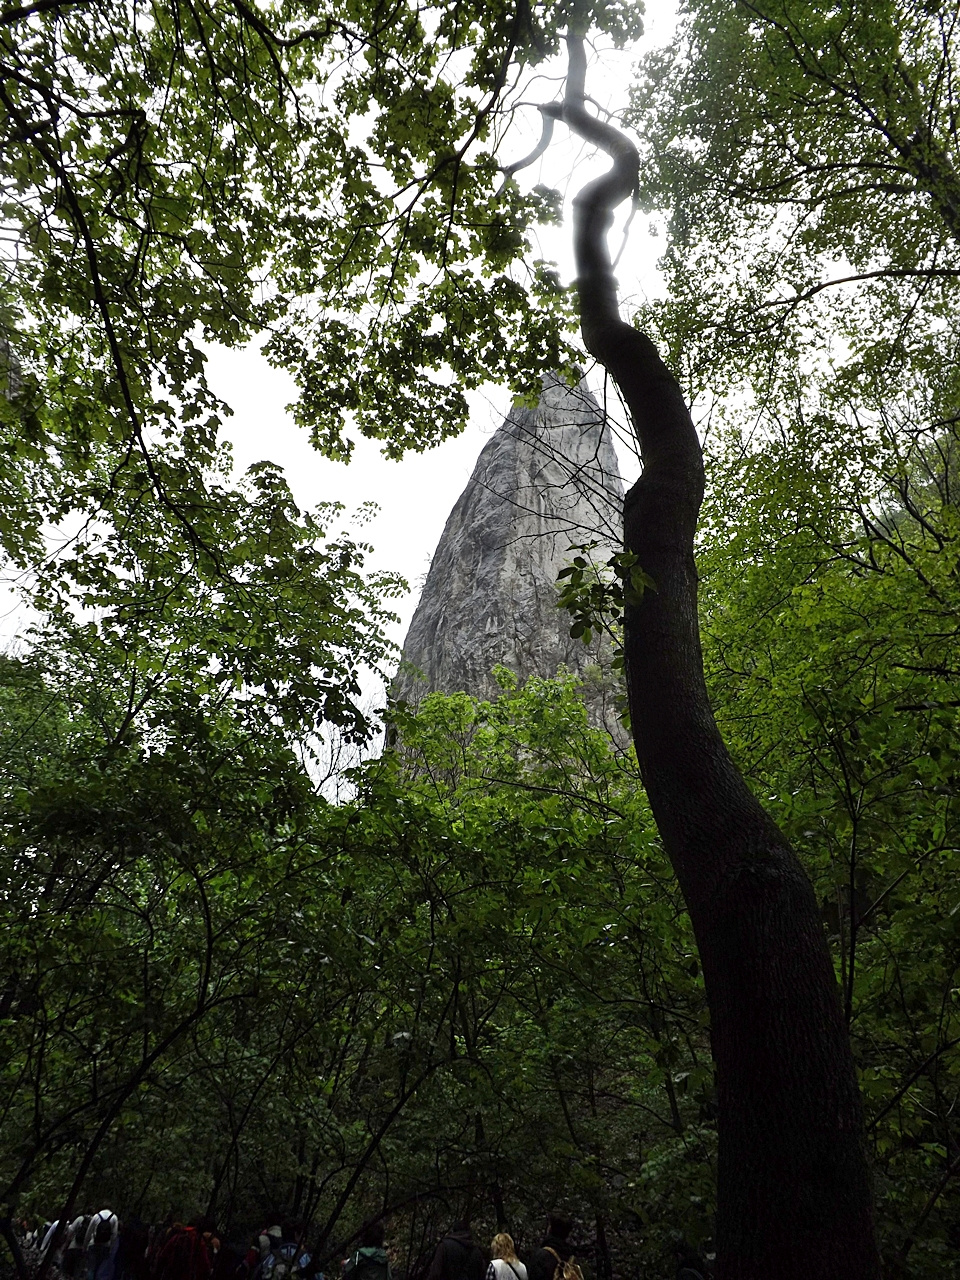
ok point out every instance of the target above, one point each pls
(546, 481)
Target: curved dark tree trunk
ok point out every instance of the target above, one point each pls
(794, 1190)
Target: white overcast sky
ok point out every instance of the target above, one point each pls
(416, 494)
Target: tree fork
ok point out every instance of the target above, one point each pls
(794, 1194)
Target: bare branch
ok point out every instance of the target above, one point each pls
(546, 136)
(888, 273)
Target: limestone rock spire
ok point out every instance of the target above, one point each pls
(547, 480)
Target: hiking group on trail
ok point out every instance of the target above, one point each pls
(97, 1246)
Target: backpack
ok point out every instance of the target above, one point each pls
(283, 1262)
(368, 1268)
(183, 1256)
(81, 1233)
(565, 1270)
(103, 1232)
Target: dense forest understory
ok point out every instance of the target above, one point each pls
(473, 987)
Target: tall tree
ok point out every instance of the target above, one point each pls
(794, 1194)
(803, 157)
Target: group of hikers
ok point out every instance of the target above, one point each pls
(96, 1246)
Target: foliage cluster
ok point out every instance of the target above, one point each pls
(223, 993)
(176, 174)
(831, 655)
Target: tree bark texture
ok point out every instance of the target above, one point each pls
(794, 1196)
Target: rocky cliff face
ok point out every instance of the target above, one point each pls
(546, 481)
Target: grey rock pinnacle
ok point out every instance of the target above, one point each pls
(547, 480)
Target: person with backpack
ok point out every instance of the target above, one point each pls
(101, 1229)
(186, 1253)
(554, 1259)
(370, 1261)
(504, 1264)
(74, 1250)
(101, 1234)
(285, 1257)
(457, 1256)
(46, 1243)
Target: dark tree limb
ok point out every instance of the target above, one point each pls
(8, 17)
(9, 1234)
(794, 1196)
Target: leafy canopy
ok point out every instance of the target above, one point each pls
(804, 156)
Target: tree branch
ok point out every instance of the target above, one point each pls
(9, 16)
(546, 136)
(887, 273)
(593, 207)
